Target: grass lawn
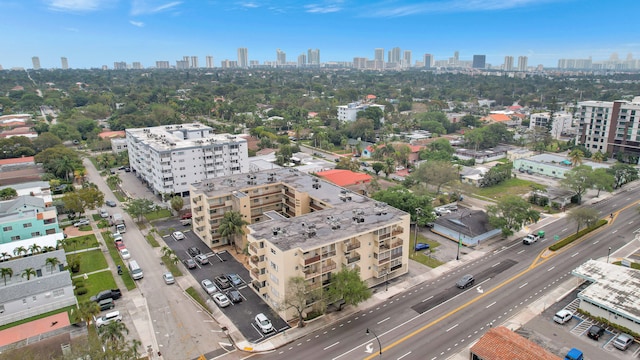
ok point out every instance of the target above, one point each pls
(85, 228)
(196, 296)
(90, 261)
(81, 242)
(115, 255)
(152, 240)
(175, 271)
(24, 321)
(509, 187)
(419, 256)
(96, 283)
(160, 214)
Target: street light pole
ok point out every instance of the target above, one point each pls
(459, 243)
(415, 233)
(379, 344)
(609, 253)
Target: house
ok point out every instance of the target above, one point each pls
(48, 288)
(550, 165)
(483, 156)
(19, 170)
(500, 343)
(345, 177)
(465, 226)
(472, 176)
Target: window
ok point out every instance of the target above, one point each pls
(7, 228)
(35, 234)
(24, 301)
(15, 238)
(26, 225)
(273, 251)
(273, 265)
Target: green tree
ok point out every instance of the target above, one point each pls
(623, 174)
(34, 248)
(52, 262)
(406, 200)
(583, 216)
(232, 225)
(20, 250)
(603, 180)
(389, 166)
(88, 198)
(6, 273)
(8, 193)
(113, 181)
(511, 213)
(137, 208)
(296, 296)
(113, 332)
(576, 156)
(28, 273)
(87, 310)
(599, 157)
(347, 285)
(436, 173)
(579, 180)
(377, 167)
(177, 202)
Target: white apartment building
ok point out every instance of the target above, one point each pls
(350, 111)
(170, 158)
(302, 226)
(561, 122)
(611, 127)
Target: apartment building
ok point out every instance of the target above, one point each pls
(170, 158)
(562, 123)
(611, 126)
(302, 226)
(350, 111)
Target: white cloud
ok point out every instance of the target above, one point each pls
(249, 5)
(397, 9)
(141, 7)
(136, 23)
(324, 8)
(79, 5)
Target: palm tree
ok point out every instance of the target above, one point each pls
(114, 180)
(575, 156)
(20, 250)
(61, 243)
(52, 261)
(6, 272)
(28, 273)
(113, 332)
(166, 251)
(232, 225)
(174, 259)
(63, 166)
(389, 166)
(80, 175)
(35, 248)
(133, 348)
(598, 157)
(5, 255)
(87, 310)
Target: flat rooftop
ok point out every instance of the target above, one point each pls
(183, 136)
(334, 223)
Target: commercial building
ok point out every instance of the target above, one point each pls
(611, 127)
(302, 226)
(302, 60)
(552, 165)
(350, 111)
(479, 61)
(428, 61)
(562, 123)
(170, 158)
(313, 57)
(379, 54)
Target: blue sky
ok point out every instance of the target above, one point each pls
(92, 33)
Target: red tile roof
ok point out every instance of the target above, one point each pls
(499, 117)
(344, 177)
(416, 148)
(22, 160)
(501, 343)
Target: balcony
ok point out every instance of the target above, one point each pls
(351, 259)
(312, 286)
(256, 285)
(397, 231)
(255, 260)
(329, 254)
(330, 265)
(256, 275)
(254, 249)
(309, 273)
(352, 245)
(397, 243)
(311, 260)
(315, 207)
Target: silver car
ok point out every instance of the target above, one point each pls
(209, 286)
(221, 299)
(168, 278)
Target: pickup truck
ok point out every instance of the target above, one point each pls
(530, 239)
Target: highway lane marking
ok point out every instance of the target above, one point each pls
(523, 285)
(427, 299)
(595, 242)
(521, 251)
(565, 229)
(332, 345)
(614, 231)
(496, 264)
(453, 327)
(404, 355)
(575, 254)
(630, 222)
(383, 320)
(488, 306)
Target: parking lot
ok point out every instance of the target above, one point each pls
(559, 339)
(220, 263)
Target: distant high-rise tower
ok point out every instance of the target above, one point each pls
(522, 63)
(136, 65)
(243, 58)
(508, 63)
(394, 56)
(428, 61)
(456, 56)
(120, 65)
(36, 63)
(185, 59)
(65, 63)
(209, 61)
(302, 60)
(479, 61)
(379, 54)
(313, 57)
(406, 59)
(163, 65)
(194, 62)
(281, 57)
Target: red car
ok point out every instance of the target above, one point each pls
(186, 216)
(120, 245)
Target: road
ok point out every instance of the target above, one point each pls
(181, 329)
(436, 320)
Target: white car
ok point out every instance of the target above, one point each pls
(108, 318)
(168, 278)
(178, 235)
(104, 213)
(263, 323)
(125, 254)
(221, 299)
(209, 286)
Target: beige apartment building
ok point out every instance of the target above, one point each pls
(303, 226)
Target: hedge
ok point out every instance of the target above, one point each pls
(571, 238)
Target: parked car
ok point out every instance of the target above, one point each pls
(465, 281)
(193, 251)
(622, 342)
(185, 216)
(595, 332)
(185, 222)
(222, 282)
(422, 246)
(202, 259)
(264, 324)
(574, 354)
(120, 245)
(106, 304)
(127, 169)
(108, 318)
(189, 263)
(234, 296)
(110, 203)
(117, 236)
(221, 299)
(125, 254)
(168, 278)
(114, 294)
(209, 286)
(235, 279)
(104, 213)
(82, 222)
(178, 235)
(562, 316)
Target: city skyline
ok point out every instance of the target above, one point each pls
(93, 33)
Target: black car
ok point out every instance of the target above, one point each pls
(222, 282)
(234, 296)
(595, 332)
(114, 294)
(193, 251)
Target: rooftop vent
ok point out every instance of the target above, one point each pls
(358, 215)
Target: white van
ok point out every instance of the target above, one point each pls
(135, 270)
